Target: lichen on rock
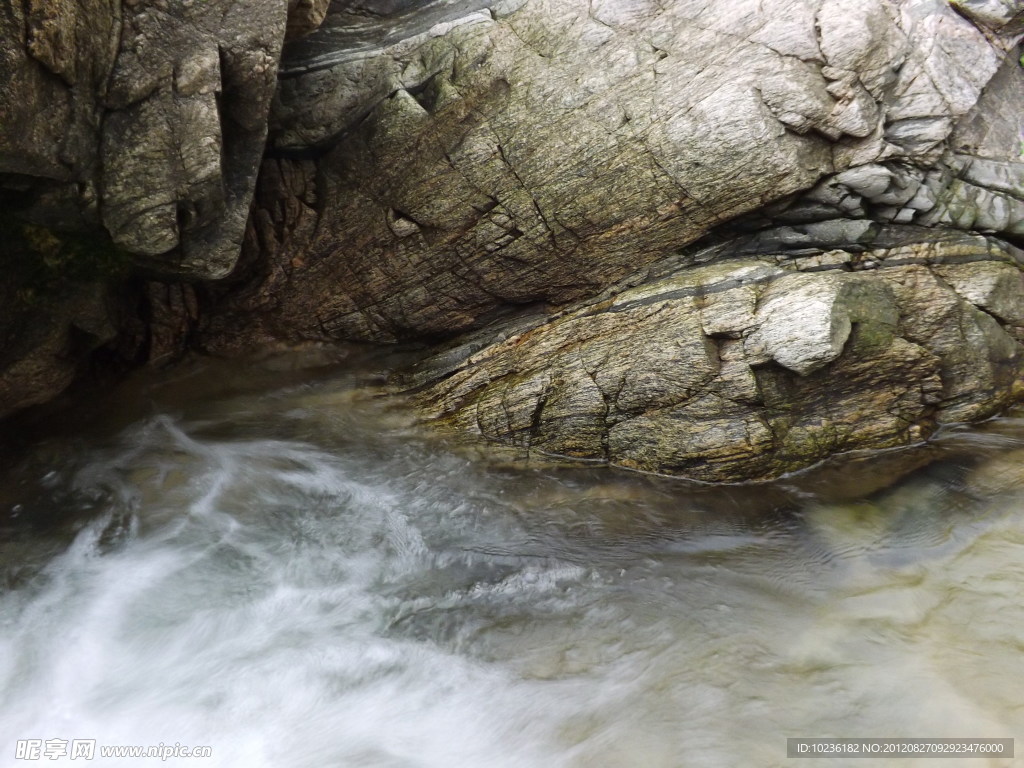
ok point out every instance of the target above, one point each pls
(752, 368)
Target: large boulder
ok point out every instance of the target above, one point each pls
(744, 236)
(749, 367)
(737, 237)
(449, 160)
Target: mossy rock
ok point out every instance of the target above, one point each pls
(43, 265)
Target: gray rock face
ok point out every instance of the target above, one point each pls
(441, 167)
(40, 359)
(304, 17)
(1004, 16)
(749, 368)
(147, 119)
(538, 151)
(138, 126)
(742, 235)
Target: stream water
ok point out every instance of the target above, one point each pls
(271, 561)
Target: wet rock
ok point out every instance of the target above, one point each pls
(1002, 473)
(40, 359)
(748, 369)
(137, 126)
(744, 174)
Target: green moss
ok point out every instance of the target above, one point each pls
(42, 265)
(870, 338)
(811, 442)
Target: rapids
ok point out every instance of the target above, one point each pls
(274, 562)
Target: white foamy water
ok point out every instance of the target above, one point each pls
(288, 574)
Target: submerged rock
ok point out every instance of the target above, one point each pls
(1003, 473)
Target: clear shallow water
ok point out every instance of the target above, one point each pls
(273, 563)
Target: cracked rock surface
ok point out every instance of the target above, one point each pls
(743, 236)
(752, 367)
(714, 239)
(136, 124)
(538, 151)
(143, 118)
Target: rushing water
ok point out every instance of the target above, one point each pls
(275, 564)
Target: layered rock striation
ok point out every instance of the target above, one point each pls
(750, 367)
(806, 211)
(538, 151)
(719, 240)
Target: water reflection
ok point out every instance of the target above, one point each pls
(275, 563)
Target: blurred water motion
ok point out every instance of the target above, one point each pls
(274, 562)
